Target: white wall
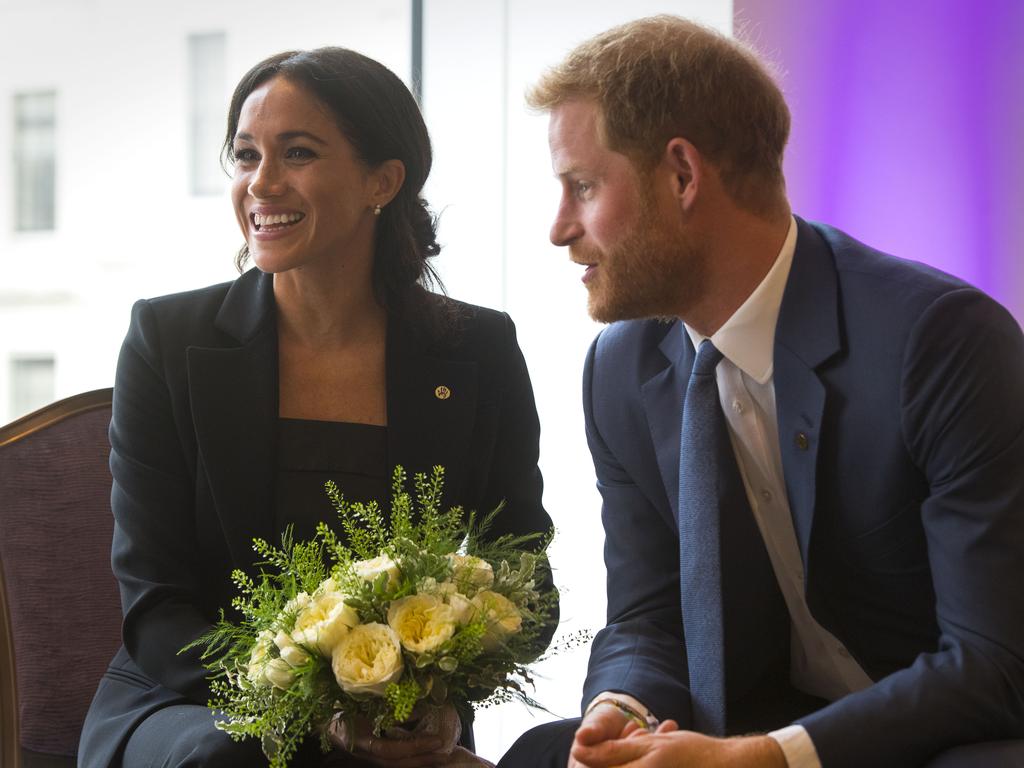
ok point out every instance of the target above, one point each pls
(127, 227)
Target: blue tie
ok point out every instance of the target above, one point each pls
(705, 456)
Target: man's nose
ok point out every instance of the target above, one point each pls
(565, 229)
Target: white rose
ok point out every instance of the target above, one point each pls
(369, 570)
(462, 607)
(258, 658)
(501, 615)
(367, 659)
(297, 603)
(325, 620)
(422, 622)
(290, 652)
(471, 573)
(279, 673)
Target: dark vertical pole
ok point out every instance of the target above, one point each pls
(417, 51)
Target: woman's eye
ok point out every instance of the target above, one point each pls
(245, 156)
(299, 153)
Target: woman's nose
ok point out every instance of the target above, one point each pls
(267, 181)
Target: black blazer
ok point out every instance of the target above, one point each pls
(193, 457)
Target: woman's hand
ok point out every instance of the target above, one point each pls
(430, 742)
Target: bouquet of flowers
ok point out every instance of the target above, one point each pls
(416, 608)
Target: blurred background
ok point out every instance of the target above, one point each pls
(907, 126)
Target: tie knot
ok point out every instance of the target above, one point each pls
(708, 358)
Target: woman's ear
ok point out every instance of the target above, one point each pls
(687, 168)
(385, 181)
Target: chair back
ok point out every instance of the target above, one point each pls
(60, 610)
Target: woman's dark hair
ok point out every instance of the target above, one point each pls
(378, 115)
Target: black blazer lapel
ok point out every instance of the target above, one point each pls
(431, 404)
(663, 404)
(806, 336)
(234, 396)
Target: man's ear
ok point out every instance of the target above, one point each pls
(385, 181)
(687, 168)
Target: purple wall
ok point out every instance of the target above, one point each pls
(908, 125)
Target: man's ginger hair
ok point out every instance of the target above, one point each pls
(661, 77)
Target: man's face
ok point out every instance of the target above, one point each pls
(627, 234)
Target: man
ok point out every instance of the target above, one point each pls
(844, 577)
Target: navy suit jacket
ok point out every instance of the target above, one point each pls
(193, 457)
(906, 485)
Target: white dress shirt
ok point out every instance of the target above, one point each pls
(820, 664)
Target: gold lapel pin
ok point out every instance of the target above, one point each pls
(442, 392)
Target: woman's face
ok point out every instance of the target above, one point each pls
(301, 195)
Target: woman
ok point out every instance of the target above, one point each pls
(233, 403)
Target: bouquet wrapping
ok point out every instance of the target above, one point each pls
(390, 612)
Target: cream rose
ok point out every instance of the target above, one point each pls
(502, 617)
(367, 659)
(289, 651)
(325, 620)
(471, 573)
(297, 603)
(462, 607)
(258, 658)
(279, 673)
(369, 570)
(422, 622)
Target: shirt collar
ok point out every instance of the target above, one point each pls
(747, 338)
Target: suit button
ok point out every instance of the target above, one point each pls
(801, 441)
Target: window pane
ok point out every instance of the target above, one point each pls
(32, 384)
(206, 72)
(34, 160)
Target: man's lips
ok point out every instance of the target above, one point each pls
(588, 273)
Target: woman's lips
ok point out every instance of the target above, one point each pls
(270, 227)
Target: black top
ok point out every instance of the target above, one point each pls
(310, 453)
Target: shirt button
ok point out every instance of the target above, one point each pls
(737, 406)
(766, 494)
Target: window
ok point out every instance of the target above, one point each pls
(207, 109)
(32, 383)
(34, 161)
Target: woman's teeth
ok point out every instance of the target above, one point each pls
(275, 220)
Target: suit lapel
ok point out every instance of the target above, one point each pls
(662, 396)
(432, 402)
(806, 336)
(234, 396)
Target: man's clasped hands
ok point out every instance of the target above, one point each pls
(608, 738)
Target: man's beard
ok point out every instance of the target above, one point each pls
(651, 272)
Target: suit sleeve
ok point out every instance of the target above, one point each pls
(154, 545)
(641, 651)
(514, 473)
(962, 399)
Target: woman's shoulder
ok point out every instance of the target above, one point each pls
(457, 326)
(201, 315)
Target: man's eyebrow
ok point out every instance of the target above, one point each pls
(286, 136)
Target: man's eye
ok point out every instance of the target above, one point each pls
(583, 188)
(299, 153)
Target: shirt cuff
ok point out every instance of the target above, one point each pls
(625, 698)
(797, 746)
